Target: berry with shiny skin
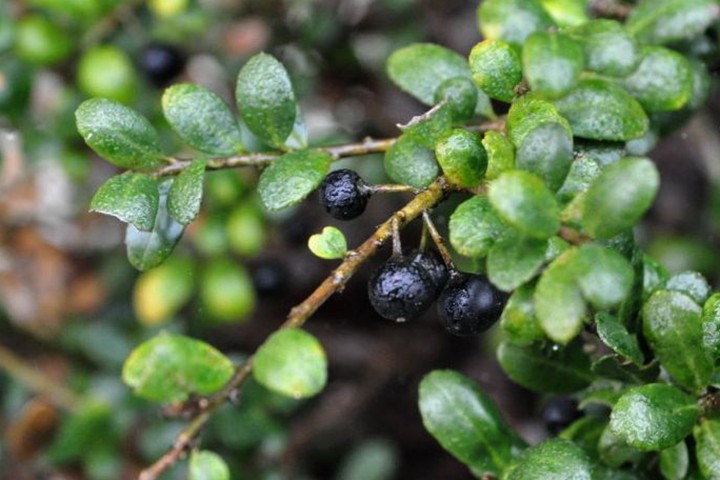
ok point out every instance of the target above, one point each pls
(559, 413)
(431, 262)
(344, 194)
(401, 289)
(470, 304)
(161, 63)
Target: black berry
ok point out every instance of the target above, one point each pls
(401, 289)
(433, 265)
(161, 63)
(470, 304)
(559, 413)
(344, 194)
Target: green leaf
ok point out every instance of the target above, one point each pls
(500, 152)
(291, 362)
(583, 172)
(147, 249)
(552, 63)
(609, 48)
(602, 111)
(614, 367)
(514, 260)
(202, 119)
(615, 452)
(132, 198)
(663, 81)
(673, 327)
(559, 303)
(374, 459)
(707, 448)
(466, 422)
(169, 368)
(266, 100)
(604, 276)
(207, 465)
(462, 97)
(118, 133)
(542, 138)
(518, 319)
(94, 420)
(462, 157)
(409, 163)
(548, 370)
(585, 433)
(616, 336)
(496, 69)
(430, 127)
(551, 460)
(674, 462)
(711, 327)
(419, 69)
(619, 197)
(654, 276)
(654, 416)
(186, 192)
(566, 13)
(329, 244)
(668, 21)
(512, 20)
(292, 177)
(523, 201)
(692, 284)
(474, 227)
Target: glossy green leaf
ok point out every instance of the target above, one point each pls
(711, 327)
(559, 303)
(546, 370)
(500, 152)
(673, 327)
(518, 319)
(462, 97)
(668, 21)
(514, 260)
(132, 198)
(186, 192)
(543, 139)
(552, 460)
(291, 362)
(118, 133)
(462, 157)
(512, 20)
(707, 448)
(207, 465)
(474, 227)
(430, 127)
(266, 100)
(614, 367)
(147, 249)
(566, 13)
(654, 416)
(619, 197)
(663, 81)
(169, 368)
(496, 69)
(466, 422)
(329, 244)
(615, 452)
(524, 202)
(583, 172)
(202, 119)
(674, 462)
(409, 163)
(654, 276)
(692, 284)
(604, 276)
(419, 69)
(602, 111)
(616, 336)
(552, 63)
(603, 393)
(609, 48)
(292, 177)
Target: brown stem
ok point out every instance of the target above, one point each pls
(439, 241)
(298, 316)
(710, 404)
(391, 188)
(609, 8)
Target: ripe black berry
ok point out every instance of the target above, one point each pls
(433, 265)
(559, 413)
(161, 63)
(344, 194)
(401, 289)
(470, 304)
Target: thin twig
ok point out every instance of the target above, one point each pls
(439, 241)
(391, 188)
(609, 8)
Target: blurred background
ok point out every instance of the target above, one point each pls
(72, 307)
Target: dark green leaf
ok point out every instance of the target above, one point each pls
(583, 172)
(654, 416)
(615, 335)
(474, 227)
(186, 193)
(615, 452)
(549, 370)
(604, 276)
(292, 177)
(619, 197)
(674, 462)
(512, 20)
(552, 460)
(202, 119)
(118, 133)
(291, 362)
(585, 433)
(692, 284)
(614, 367)
(605, 393)
(132, 198)
(329, 244)
(462, 157)
(466, 422)
(462, 97)
(711, 327)
(430, 127)
(514, 260)
(552, 63)
(662, 82)
(207, 465)
(668, 21)
(609, 48)
(518, 319)
(169, 368)
(707, 447)
(409, 163)
(673, 327)
(266, 100)
(496, 69)
(500, 152)
(602, 111)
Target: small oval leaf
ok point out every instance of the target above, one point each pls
(186, 192)
(514, 260)
(707, 448)
(292, 177)
(552, 63)
(551, 460)
(512, 20)
(132, 198)
(474, 227)
(616, 336)
(409, 163)
(462, 157)
(206, 465)
(668, 21)
(609, 48)
(496, 69)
